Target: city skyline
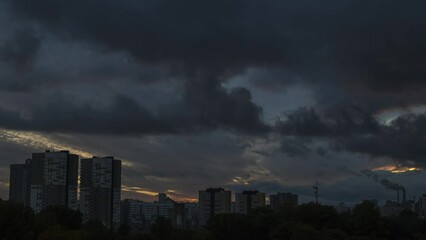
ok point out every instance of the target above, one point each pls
(51, 182)
(241, 94)
(99, 179)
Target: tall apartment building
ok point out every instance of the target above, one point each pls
(248, 200)
(100, 190)
(19, 188)
(48, 179)
(213, 201)
(284, 200)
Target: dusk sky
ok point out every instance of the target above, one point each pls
(243, 94)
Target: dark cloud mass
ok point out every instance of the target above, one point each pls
(359, 58)
(376, 45)
(331, 122)
(200, 109)
(20, 51)
(402, 139)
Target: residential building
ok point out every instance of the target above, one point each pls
(248, 200)
(132, 215)
(19, 188)
(420, 206)
(213, 201)
(52, 180)
(100, 190)
(184, 215)
(192, 215)
(283, 200)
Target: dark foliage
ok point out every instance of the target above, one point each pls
(308, 221)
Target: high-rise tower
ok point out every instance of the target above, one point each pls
(213, 201)
(100, 190)
(52, 180)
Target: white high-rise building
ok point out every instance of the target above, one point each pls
(213, 201)
(100, 190)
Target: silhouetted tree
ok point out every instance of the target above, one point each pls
(229, 226)
(263, 220)
(16, 221)
(318, 216)
(365, 219)
(68, 218)
(161, 229)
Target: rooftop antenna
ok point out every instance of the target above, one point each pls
(316, 192)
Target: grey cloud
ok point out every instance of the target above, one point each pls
(376, 46)
(21, 50)
(123, 116)
(403, 140)
(202, 108)
(296, 147)
(349, 51)
(311, 122)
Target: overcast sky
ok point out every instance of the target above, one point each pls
(243, 94)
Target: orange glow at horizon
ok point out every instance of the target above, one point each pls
(138, 190)
(395, 169)
(142, 191)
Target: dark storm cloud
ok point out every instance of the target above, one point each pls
(310, 122)
(359, 57)
(402, 139)
(197, 111)
(294, 147)
(206, 104)
(124, 116)
(376, 45)
(21, 50)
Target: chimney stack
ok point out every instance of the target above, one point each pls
(397, 195)
(403, 195)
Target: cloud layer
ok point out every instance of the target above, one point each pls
(163, 68)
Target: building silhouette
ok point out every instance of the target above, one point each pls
(47, 179)
(184, 215)
(19, 188)
(100, 190)
(139, 215)
(248, 200)
(132, 215)
(213, 201)
(283, 200)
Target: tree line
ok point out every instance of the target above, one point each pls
(306, 222)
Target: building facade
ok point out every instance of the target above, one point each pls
(48, 179)
(213, 201)
(420, 206)
(283, 200)
(19, 185)
(248, 200)
(139, 215)
(132, 215)
(100, 190)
